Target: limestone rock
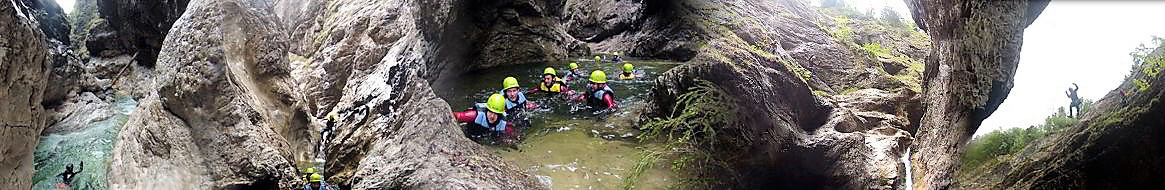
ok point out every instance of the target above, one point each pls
(222, 101)
(968, 74)
(24, 73)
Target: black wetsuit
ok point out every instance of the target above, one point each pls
(67, 176)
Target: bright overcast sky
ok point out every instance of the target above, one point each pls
(1085, 42)
(67, 5)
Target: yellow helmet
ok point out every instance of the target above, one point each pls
(315, 177)
(332, 116)
(549, 71)
(598, 77)
(573, 65)
(510, 82)
(311, 170)
(598, 58)
(496, 103)
(628, 68)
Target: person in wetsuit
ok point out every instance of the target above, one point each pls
(551, 83)
(67, 176)
(600, 95)
(487, 119)
(627, 72)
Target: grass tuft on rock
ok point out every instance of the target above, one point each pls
(689, 135)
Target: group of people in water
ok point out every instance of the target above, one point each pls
(491, 118)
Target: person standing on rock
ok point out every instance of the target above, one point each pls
(551, 83)
(487, 118)
(600, 95)
(627, 72)
(1075, 104)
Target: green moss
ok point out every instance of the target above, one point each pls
(849, 90)
(820, 93)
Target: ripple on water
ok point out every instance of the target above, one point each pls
(92, 144)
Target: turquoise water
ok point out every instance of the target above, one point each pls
(92, 144)
(567, 145)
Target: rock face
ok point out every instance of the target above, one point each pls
(509, 32)
(133, 27)
(655, 29)
(764, 56)
(372, 63)
(24, 72)
(968, 74)
(221, 116)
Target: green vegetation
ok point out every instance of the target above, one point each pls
(841, 31)
(689, 134)
(1148, 62)
(849, 90)
(987, 148)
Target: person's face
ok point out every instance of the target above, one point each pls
(596, 86)
(512, 94)
(492, 117)
(315, 185)
(547, 79)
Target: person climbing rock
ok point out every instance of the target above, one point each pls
(487, 118)
(573, 73)
(600, 95)
(329, 124)
(316, 182)
(67, 176)
(1075, 104)
(627, 72)
(551, 83)
(515, 98)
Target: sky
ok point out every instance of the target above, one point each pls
(1082, 42)
(67, 5)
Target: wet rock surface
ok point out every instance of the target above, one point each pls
(372, 64)
(25, 64)
(970, 69)
(794, 137)
(222, 102)
(133, 27)
(655, 29)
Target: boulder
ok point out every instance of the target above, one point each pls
(221, 115)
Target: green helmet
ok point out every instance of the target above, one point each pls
(549, 71)
(496, 103)
(598, 77)
(311, 170)
(598, 58)
(573, 65)
(510, 82)
(315, 177)
(627, 67)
